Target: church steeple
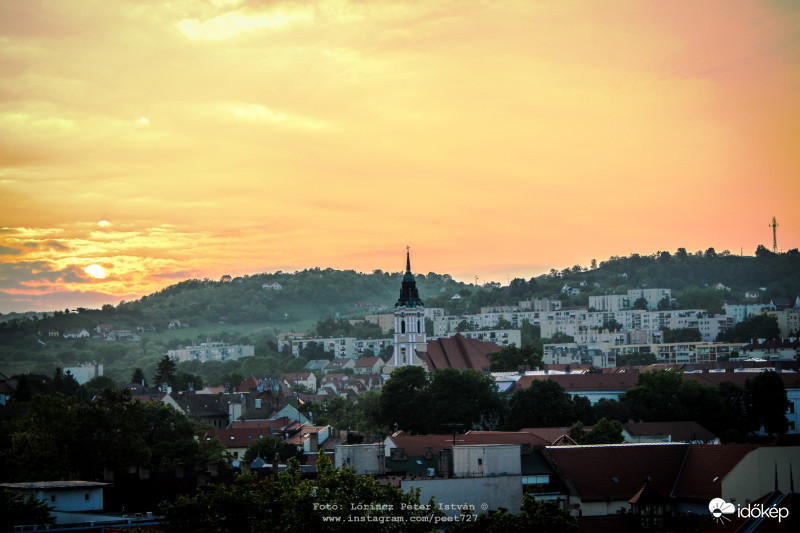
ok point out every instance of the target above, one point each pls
(409, 324)
(409, 295)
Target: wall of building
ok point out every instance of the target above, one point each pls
(754, 476)
(493, 492)
(365, 458)
(486, 460)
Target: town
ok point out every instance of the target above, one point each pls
(634, 417)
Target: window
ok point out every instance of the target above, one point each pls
(52, 498)
(258, 403)
(480, 461)
(86, 497)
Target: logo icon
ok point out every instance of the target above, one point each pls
(719, 508)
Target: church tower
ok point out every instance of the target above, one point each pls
(409, 323)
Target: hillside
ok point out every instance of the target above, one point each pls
(242, 310)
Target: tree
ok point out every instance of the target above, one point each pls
(288, 503)
(97, 384)
(604, 431)
(640, 303)
(544, 404)
(19, 509)
(541, 516)
(769, 402)
(404, 400)
(681, 334)
(268, 447)
(138, 377)
(165, 367)
(510, 358)
(466, 397)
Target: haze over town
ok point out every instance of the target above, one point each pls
(162, 142)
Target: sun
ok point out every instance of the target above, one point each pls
(96, 271)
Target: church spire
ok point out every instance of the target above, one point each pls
(409, 295)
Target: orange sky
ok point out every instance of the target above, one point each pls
(496, 138)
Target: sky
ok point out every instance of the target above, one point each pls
(161, 141)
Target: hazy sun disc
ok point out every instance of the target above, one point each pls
(95, 271)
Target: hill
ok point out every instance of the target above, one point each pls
(252, 310)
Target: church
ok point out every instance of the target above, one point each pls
(411, 346)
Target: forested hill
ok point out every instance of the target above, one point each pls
(313, 294)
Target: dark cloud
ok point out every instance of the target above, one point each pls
(5, 250)
(13, 275)
(54, 301)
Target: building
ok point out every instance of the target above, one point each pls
(85, 372)
(211, 351)
(71, 502)
(458, 352)
(409, 324)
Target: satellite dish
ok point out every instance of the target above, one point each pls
(235, 463)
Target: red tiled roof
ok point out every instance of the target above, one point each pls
(367, 362)
(549, 435)
(617, 472)
(686, 431)
(415, 444)
(706, 466)
(583, 382)
(501, 437)
(248, 384)
(458, 352)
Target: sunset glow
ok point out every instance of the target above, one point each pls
(498, 139)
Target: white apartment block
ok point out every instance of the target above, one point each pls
(448, 325)
(501, 337)
(342, 347)
(581, 324)
(211, 351)
(603, 354)
(788, 322)
(621, 302)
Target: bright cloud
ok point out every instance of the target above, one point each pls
(237, 136)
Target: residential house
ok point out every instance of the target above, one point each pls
(77, 334)
(273, 286)
(689, 431)
(302, 379)
(369, 365)
(207, 408)
(340, 364)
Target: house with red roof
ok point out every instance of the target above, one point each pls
(369, 365)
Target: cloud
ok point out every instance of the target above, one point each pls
(236, 23)
(5, 250)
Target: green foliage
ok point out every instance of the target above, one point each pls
(752, 328)
(636, 359)
(709, 299)
(604, 431)
(467, 398)
(268, 447)
(19, 510)
(541, 516)
(681, 335)
(59, 437)
(290, 504)
(510, 358)
(769, 402)
(544, 404)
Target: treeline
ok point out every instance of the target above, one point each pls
(59, 437)
(450, 400)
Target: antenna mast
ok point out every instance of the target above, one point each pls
(774, 227)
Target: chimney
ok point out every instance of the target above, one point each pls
(313, 442)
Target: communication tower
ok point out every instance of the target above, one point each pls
(774, 227)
